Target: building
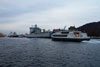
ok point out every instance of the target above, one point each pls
(72, 28)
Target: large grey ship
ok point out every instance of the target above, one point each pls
(36, 32)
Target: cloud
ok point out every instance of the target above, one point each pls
(17, 7)
(19, 15)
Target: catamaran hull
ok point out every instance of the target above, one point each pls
(71, 39)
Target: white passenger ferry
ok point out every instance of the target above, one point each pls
(67, 35)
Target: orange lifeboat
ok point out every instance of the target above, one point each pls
(77, 34)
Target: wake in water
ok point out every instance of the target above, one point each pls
(93, 41)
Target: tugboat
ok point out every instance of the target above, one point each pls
(36, 32)
(69, 35)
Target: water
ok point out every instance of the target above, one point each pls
(24, 52)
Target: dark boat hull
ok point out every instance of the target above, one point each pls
(71, 39)
(13, 36)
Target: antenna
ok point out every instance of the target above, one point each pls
(64, 27)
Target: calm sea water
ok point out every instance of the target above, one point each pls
(24, 52)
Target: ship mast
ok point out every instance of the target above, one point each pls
(64, 27)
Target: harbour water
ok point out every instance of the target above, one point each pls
(38, 52)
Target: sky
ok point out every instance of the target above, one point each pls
(19, 15)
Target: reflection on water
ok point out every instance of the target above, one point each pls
(24, 52)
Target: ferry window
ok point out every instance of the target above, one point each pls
(64, 32)
(60, 35)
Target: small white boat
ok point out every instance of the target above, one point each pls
(64, 35)
(12, 34)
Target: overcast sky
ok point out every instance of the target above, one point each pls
(19, 15)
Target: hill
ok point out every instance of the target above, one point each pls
(92, 29)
